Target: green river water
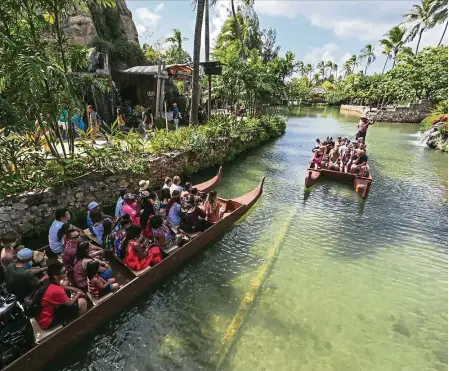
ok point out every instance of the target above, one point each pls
(352, 285)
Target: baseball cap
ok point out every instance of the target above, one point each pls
(24, 254)
(92, 205)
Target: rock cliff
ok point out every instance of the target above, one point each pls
(86, 26)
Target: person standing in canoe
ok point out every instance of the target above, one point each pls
(362, 127)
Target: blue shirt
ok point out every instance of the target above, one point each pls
(56, 244)
(175, 112)
(174, 215)
(118, 207)
(90, 223)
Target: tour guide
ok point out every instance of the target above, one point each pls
(362, 127)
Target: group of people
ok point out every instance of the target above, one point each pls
(145, 228)
(343, 154)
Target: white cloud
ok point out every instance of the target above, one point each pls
(159, 7)
(324, 53)
(140, 28)
(147, 16)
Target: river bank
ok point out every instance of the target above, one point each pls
(32, 211)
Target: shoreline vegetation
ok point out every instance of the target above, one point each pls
(126, 152)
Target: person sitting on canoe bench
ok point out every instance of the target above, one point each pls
(318, 142)
(318, 155)
(193, 219)
(362, 127)
(137, 255)
(132, 208)
(345, 160)
(57, 307)
(163, 235)
(98, 286)
(212, 208)
(80, 265)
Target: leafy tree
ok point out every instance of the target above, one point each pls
(176, 54)
(269, 48)
(393, 43)
(421, 19)
(299, 89)
(367, 53)
(152, 55)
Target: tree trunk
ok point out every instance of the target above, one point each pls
(206, 53)
(419, 40)
(385, 65)
(60, 42)
(237, 28)
(442, 36)
(196, 62)
(366, 67)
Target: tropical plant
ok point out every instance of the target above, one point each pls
(176, 54)
(439, 15)
(393, 43)
(329, 65)
(421, 19)
(367, 53)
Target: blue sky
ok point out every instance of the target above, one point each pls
(313, 30)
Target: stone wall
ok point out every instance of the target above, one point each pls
(34, 211)
(412, 113)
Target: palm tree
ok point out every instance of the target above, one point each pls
(329, 65)
(420, 17)
(308, 69)
(439, 14)
(354, 62)
(176, 41)
(393, 43)
(335, 68)
(321, 68)
(368, 53)
(196, 62)
(347, 67)
(207, 53)
(247, 3)
(300, 67)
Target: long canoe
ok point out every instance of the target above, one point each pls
(362, 185)
(211, 183)
(133, 284)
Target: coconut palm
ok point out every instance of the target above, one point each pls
(329, 65)
(300, 67)
(347, 67)
(420, 18)
(196, 62)
(393, 43)
(335, 68)
(439, 14)
(321, 68)
(367, 53)
(247, 3)
(179, 55)
(354, 62)
(308, 69)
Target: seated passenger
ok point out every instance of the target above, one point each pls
(193, 219)
(62, 216)
(137, 255)
(120, 235)
(165, 199)
(80, 265)
(167, 183)
(318, 143)
(187, 190)
(19, 280)
(174, 209)
(57, 307)
(131, 208)
(212, 208)
(93, 206)
(176, 185)
(9, 250)
(163, 235)
(155, 202)
(345, 160)
(98, 286)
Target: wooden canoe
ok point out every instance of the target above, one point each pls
(361, 184)
(211, 183)
(133, 284)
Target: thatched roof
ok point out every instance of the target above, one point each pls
(319, 90)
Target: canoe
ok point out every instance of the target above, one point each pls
(133, 284)
(362, 185)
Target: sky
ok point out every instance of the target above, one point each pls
(313, 30)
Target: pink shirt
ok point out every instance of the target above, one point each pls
(131, 211)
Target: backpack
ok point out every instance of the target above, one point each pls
(32, 304)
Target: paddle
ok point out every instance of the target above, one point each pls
(373, 120)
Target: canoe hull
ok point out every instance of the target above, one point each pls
(40, 355)
(362, 185)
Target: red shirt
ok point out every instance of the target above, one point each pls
(53, 297)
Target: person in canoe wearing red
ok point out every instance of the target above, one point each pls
(362, 127)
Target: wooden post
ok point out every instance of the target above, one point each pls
(162, 88)
(158, 88)
(166, 118)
